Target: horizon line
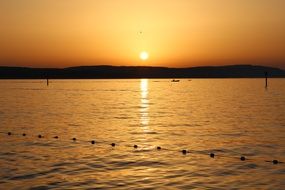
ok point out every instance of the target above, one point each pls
(145, 66)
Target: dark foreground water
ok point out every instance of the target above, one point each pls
(230, 118)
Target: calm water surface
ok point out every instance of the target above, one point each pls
(231, 118)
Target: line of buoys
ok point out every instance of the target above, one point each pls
(184, 151)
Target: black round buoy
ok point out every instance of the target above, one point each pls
(275, 161)
(24, 134)
(184, 151)
(9, 133)
(242, 158)
(93, 142)
(74, 139)
(113, 144)
(135, 146)
(158, 148)
(40, 136)
(55, 137)
(212, 155)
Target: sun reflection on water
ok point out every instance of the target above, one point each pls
(144, 105)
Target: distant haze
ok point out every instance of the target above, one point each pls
(175, 33)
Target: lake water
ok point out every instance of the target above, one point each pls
(228, 117)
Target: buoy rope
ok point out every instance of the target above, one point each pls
(136, 147)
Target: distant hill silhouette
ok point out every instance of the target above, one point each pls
(111, 72)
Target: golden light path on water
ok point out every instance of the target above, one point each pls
(144, 105)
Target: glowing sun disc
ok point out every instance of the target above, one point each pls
(144, 55)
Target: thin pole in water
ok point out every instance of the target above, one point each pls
(47, 82)
(266, 81)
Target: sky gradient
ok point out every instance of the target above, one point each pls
(180, 33)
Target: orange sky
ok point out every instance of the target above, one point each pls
(175, 33)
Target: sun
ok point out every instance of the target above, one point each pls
(144, 55)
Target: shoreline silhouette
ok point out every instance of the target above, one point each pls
(133, 72)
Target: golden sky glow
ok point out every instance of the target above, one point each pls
(175, 33)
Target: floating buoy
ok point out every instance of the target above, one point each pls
(275, 161)
(184, 151)
(212, 155)
(93, 142)
(9, 133)
(242, 158)
(24, 134)
(74, 139)
(113, 144)
(40, 136)
(135, 146)
(158, 148)
(55, 137)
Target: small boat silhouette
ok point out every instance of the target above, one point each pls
(175, 80)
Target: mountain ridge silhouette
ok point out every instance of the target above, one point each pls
(126, 72)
